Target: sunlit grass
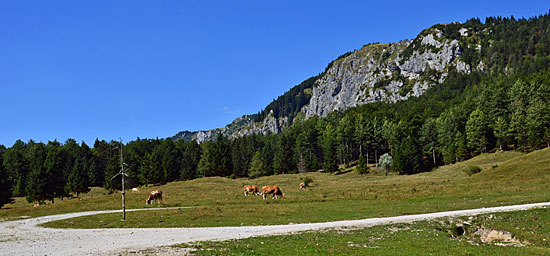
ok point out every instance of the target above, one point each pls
(506, 178)
(436, 237)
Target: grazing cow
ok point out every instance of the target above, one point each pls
(135, 190)
(251, 189)
(271, 190)
(36, 205)
(155, 195)
(302, 186)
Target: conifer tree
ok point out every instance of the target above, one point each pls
(329, 147)
(284, 157)
(257, 166)
(78, 179)
(477, 130)
(17, 167)
(6, 195)
(428, 137)
(501, 132)
(149, 172)
(39, 181)
(407, 157)
(171, 159)
(190, 160)
(362, 167)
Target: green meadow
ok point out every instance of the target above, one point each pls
(506, 178)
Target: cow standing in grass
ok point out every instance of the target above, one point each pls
(270, 189)
(251, 189)
(155, 195)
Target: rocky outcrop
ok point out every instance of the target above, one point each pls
(241, 126)
(386, 72)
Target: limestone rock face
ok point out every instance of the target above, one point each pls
(270, 125)
(386, 72)
(241, 126)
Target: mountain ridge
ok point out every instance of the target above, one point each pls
(388, 72)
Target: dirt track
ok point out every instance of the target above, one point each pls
(24, 237)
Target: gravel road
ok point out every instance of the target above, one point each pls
(24, 237)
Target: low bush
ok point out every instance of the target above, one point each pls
(472, 169)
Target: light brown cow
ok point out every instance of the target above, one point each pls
(251, 189)
(155, 195)
(135, 190)
(270, 189)
(302, 186)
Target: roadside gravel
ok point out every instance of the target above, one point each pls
(24, 237)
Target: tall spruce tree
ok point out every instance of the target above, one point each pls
(171, 159)
(477, 131)
(78, 179)
(150, 171)
(16, 164)
(39, 181)
(428, 138)
(345, 131)
(100, 158)
(190, 160)
(284, 157)
(6, 195)
(501, 132)
(329, 148)
(55, 165)
(257, 166)
(407, 158)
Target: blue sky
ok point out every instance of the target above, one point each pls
(128, 69)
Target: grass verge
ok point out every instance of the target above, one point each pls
(530, 231)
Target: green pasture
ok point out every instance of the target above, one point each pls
(506, 178)
(530, 230)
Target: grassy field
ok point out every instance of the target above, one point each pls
(506, 178)
(529, 232)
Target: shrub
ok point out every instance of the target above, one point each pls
(386, 162)
(472, 169)
(307, 181)
(362, 167)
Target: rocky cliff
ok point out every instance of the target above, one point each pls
(377, 72)
(386, 72)
(241, 126)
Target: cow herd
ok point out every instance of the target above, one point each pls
(266, 190)
(156, 195)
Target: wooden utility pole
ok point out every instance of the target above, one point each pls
(122, 175)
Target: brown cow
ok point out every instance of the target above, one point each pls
(252, 189)
(302, 186)
(270, 189)
(155, 195)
